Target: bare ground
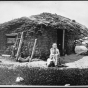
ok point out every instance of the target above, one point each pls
(12, 64)
(72, 61)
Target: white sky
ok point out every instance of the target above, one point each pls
(77, 10)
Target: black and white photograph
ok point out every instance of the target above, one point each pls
(44, 43)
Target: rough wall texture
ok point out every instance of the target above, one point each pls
(2, 42)
(70, 37)
(44, 43)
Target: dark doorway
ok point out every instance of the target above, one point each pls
(60, 40)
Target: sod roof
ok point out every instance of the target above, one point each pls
(53, 20)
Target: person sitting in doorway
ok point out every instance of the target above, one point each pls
(54, 55)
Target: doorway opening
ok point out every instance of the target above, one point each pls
(60, 40)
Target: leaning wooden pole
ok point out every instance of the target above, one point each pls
(33, 49)
(63, 41)
(19, 47)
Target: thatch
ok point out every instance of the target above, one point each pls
(38, 24)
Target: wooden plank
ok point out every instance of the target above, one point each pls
(63, 41)
(13, 48)
(19, 48)
(16, 41)
(33, 49)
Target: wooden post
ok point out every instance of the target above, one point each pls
(63, 41)
(16, 41)
(33, 49)
(19, 47)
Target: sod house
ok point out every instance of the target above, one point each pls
(47, 28)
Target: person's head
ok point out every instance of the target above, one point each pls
(54, 45)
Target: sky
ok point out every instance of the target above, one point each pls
(75, 10)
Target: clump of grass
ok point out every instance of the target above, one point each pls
(7, 76)
(54, 76)
(44, 76)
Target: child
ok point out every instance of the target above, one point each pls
(54, 55)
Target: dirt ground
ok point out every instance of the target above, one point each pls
(68, 60)
(12, 64)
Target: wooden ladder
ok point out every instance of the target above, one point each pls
(19, 41)
(18, 45)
